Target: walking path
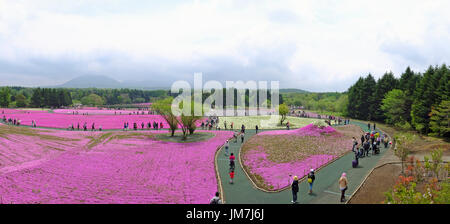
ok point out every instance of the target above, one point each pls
(326, 189)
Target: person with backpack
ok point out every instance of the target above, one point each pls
(216, 199)
(343, 186)
(294, 188)
(311, 179)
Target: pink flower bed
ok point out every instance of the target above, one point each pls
(277, 174)
(123, 170)
(98, 111)
(271, 156)
(57, 120)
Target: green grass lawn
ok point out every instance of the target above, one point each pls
(264, 122)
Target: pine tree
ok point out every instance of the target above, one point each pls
(5, 96)
(407, 83)
(440, 120)
(387, 83)
(368, 97)
(424, 98)
(36, 98)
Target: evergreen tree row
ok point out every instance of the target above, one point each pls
(47, 97)
(416, 100)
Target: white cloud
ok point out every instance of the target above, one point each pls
(315, 45)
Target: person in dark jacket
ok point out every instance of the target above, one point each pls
(311, 179)
(294, 187)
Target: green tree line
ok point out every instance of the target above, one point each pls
(415, 100)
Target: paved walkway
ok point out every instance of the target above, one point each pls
(326, 190)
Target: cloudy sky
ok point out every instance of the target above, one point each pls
(313, 45)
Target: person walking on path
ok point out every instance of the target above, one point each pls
(216, 199)
(374, 126)
(362, 139)
(232, 164)
(355, 143)
(242, 137)
(343, 186)
(311, 179)
(226, 148)
(368, 126)
(231, 176)
(294, 187)
(256, 127)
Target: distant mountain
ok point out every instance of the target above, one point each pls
(101, 81)
(90, 81)
(293, 91)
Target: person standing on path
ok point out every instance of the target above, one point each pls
(355, 143)
(311, 179)
(343, 186)
(362, 139)
(368, 126)
(242, 137)
(256, 127)
(226, 148)
(216, 199)
(374, 126)
(294, 187)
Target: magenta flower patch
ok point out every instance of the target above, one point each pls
(131, 169)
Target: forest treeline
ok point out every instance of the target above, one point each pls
(58, 97)
(414, 100)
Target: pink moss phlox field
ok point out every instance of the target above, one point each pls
(65, 120)
(120, 170)
(277, 174)
(309, 130)
(97, 111)
(271, 156)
